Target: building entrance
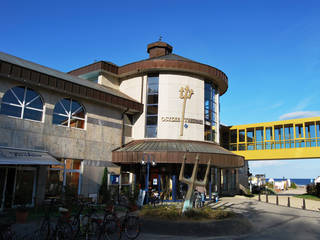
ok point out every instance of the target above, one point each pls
(67, 176)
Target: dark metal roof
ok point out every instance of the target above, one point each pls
(51, 72)
(174, 146)
(171, 57)
(172, 151)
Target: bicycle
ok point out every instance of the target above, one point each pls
(61, 230)
(115, 224)
(6, 232)
(197, 200)
(89, 225)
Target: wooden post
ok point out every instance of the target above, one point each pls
(304, 204)
(267, 200)
(288, 201)
(277, 199)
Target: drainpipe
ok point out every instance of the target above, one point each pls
(122, 132)
(142, 83)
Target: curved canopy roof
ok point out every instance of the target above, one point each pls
(173, 151)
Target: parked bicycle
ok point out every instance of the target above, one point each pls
(197, 199)
(61, 229)
(6, 232)
(89, 224)
(116, 223)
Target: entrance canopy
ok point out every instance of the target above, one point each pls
(15, 156)
(173, 151)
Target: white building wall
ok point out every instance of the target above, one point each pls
(132, 87)
(108, 81)
(170, 105)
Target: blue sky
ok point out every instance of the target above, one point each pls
(269, 49)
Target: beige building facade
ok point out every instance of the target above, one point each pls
(158, 110)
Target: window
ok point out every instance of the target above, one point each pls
(310, 130)
(22, 102)
(209, 112)
(152, 106)
(67, 176)
(70, 113)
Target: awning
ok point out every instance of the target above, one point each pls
(173, 151)
(16, 156)
(112, 168)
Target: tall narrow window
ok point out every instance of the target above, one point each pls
(152, 106)
(209, 112)
(69, 113)
(22, 102)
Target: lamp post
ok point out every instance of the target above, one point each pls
(147, 159)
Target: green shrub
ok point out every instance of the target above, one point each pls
(313, 189)
(171, 212)
(163, 212)
(196, 214)
(104, 192)
(293, 185)
(269, 185)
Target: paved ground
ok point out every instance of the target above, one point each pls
(275, 222)
(294, 202)
(268, 220)
(299, 190)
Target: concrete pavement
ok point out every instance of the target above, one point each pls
(274, 222)
(269, 222)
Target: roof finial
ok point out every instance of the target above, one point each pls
(160, 38)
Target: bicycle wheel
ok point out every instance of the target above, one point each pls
(89, 228)
(198, 203)
(132, 227)
(93, 230)
(64, 231)
(45, 230)
(75, 224)
(111, 230)
(7, 235)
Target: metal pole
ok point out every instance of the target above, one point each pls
(147, 181)
(277, 200)
(288, 201)
(210, 184)
(259, 197)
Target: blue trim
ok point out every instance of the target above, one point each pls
(159, 183)
(147, 181)
(174, 193)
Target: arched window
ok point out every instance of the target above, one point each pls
(22, 102)
(69, 113)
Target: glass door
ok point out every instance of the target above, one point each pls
(25, 186)
(65, 177)
(17, 186)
